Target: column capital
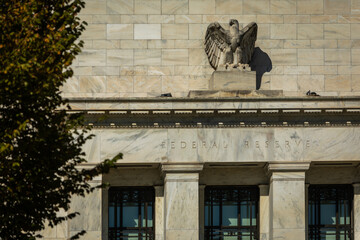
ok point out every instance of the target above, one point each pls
(182, 167)
(287, 167)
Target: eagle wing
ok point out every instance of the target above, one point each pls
(247, 42)
(217, 39)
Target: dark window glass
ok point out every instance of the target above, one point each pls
(330, 212)
(131, 213)
(231, 212)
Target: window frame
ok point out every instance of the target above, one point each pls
(342, 192)
(210, 229)
(145, 195)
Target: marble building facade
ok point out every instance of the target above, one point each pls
(284, 151)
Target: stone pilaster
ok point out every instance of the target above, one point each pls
(287, 200)
(181, 198)
(264, 212)
(90, 209)
(356, 211)
(159, 212)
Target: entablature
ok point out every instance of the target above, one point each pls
(219, 112)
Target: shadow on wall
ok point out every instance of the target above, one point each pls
(261, 63)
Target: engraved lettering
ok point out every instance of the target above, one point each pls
(172, 145)
(204, 144)
(214, 145)
(183, 144)
(225, 145)
(307, 143)
(287, 144)
(247, 144)
(257, 145)
(298, 142)
(266, 144)
(277, 144)
(193, 144)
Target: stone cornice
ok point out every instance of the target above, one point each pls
(219, 112)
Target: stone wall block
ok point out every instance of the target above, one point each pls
(147, 31)
(283, 31)
(93, 84)
(161, 18)
(147, 6)
(337, 6)
(321, 44)
(94, 31)
(270, 18)
(310, 56)
(311, 82)
(120, 57)
(105, 18)
(94, 7)
(147, 84)
(284, 56)
(201, 6)
(283, 6)
(175, 7)
(120, 6)
(198, 57)
(256, 7)
(120, 31)
(92, 58)
(175, 57)
(337, 31)
(188, 18)
(310, 7)
(161, 44)
(116, 84)
(148, 57)
(134, 19)
(337, 83)
(310, 31)
(297, 19)
(133, 44)
(296, 43)
(355, 56)
(175, 31)
(337, 56)
(229, 7)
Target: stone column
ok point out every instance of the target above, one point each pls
(159, 212)
(356, 211)
(264, 212)
(287, 200)
(201, 211)
(181, 193)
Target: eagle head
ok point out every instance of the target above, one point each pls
(234, 21)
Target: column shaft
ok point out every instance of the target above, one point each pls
(264, 212)
(181, 198)
(287, 201)
(356, 211)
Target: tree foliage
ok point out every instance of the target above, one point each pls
(40, 145)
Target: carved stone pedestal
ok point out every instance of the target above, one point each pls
(233, 79)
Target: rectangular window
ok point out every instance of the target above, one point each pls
(131, 213)
(231, 212)
(330, 208)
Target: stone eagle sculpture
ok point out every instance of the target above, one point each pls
(230, 48)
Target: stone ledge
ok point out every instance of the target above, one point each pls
(182, 167)
(234, 93)
(287, 167)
